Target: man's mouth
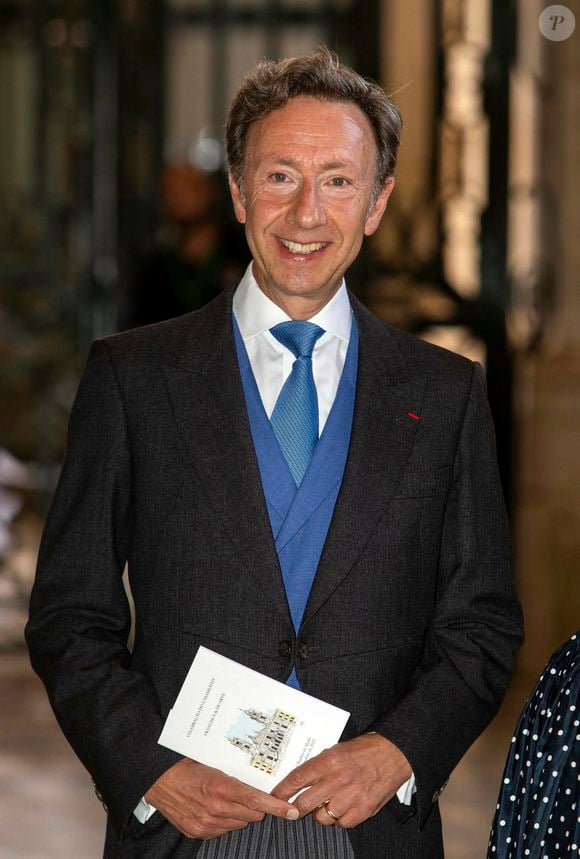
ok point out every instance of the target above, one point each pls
(297, 248)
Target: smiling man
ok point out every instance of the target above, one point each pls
(297, 486)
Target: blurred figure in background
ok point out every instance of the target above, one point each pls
(202, 253)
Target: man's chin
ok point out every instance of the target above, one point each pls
(307, 289)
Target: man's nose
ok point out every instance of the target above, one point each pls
(307, 209)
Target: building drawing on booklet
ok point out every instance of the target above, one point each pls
(266, 744)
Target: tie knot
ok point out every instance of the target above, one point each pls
(298, 336)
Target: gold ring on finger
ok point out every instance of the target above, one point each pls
(329, 811)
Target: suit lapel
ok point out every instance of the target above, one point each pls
(382, 437)
(206, 392)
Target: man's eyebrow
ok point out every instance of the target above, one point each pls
(283, 162)
(329, 165)
(337, 165)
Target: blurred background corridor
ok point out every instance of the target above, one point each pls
(114, 213)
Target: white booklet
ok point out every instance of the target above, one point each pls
(246, 724)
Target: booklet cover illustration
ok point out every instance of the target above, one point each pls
(246, 724)
(265, 746)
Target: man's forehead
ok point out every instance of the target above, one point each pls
(335, 131)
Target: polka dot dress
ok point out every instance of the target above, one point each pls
(537, 814)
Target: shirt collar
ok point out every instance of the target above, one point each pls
(256, 313)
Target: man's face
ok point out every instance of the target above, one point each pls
(307, 196)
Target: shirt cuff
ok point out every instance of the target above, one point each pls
(406, 791)
(144, 811)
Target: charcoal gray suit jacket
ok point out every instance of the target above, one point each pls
(411, 624)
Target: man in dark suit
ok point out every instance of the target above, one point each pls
(300, 488)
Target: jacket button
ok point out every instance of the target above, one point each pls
(303, 650)
(284, 648)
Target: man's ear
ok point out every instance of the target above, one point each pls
(238, 199)
(378, 209)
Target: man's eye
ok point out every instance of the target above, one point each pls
(279, 177)
(339, 181)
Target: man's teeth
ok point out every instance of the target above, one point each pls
(296, 248)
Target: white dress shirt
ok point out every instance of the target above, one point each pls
(271, 364)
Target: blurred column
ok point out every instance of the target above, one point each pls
(102, 306)
(441, 250)
(128, 92)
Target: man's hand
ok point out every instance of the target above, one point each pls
(353, 780)
(203, 802)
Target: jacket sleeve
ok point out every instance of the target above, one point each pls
(79, 614)
(477, 625)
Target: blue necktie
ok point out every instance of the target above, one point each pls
(295, 416)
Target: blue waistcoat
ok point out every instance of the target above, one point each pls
(300, 517)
